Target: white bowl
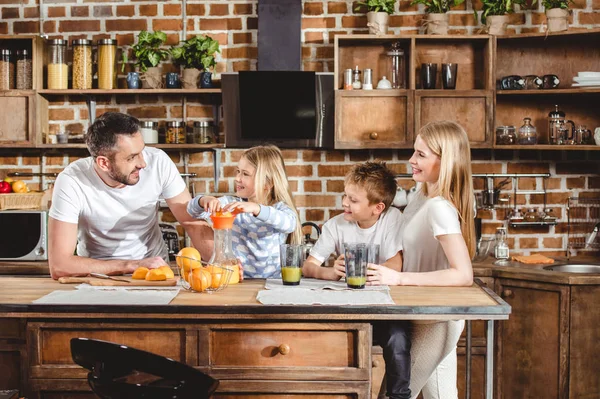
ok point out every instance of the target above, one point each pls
(589, 74)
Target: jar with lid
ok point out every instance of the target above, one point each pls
(7, 70)
(149, 131)
(82, 64)
(531, 216)
(24, 70)
(175, 132)
(57, 68)
(527, 133)
(204, 132)
(501, 250)
(506, 135)
(395, 67)
(356, 83)
(107, 64)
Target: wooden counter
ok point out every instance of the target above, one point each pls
(227, 334)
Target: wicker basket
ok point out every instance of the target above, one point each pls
(21, 201)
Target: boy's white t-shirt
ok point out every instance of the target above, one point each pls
(116, 223)
(337, 231)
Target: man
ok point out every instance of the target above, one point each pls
(107, 204)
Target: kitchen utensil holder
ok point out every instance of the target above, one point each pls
(583, 215)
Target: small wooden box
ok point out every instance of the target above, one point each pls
(21, 201)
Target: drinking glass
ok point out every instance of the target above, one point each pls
(356, 259)
(290, 257)
(449, 75)
(428, 75)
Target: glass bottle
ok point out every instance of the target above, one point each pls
(175, 132)
(396, 66)
(527, 133)
(203, 132)
(57, 68)
(82, 64)
(107, 64)
(501, 250)
(356, 83)
(556, 119)
(24, 70)
(223, 255)
(7, 70)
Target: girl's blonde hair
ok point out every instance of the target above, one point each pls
(271, 181)
(449, 141)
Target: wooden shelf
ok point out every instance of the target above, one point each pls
(161, 146)
(532, 224)
(130, 91)
(452, 93)
(543, 92)
(373, 93)
(536, 147)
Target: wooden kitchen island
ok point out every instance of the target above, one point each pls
(254, 350)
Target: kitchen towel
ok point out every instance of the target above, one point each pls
(110, 296)
(534, 259)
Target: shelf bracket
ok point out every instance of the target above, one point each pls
(91, 105)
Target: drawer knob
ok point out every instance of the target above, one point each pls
(284, 349)
(507, 293)
(373, 136)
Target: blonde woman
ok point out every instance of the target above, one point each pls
(267, 215)
(438, 242)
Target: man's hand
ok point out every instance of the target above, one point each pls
(150, 263)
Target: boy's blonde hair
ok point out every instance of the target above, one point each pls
(271, 181)
(376, 179)
(449, 141)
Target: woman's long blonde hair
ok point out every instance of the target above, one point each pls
(271, 177)
(449, 141)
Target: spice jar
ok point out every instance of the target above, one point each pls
(7, 70)
(149, 131)
(57, 68)
(204, 132)
(24, 70)
(531, 216)
(82, 64)
(527, 133)
(175, 132)
(107, 64)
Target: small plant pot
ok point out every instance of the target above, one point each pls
(437, 24)
(496, 24)
(206, 80)
(133, 80)
(378, 22)
(557, 19)
(190, 78)
(152, 78)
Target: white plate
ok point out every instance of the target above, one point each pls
(589, 74)
(586, 84)
(580, 79)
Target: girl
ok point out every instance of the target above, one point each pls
(266, 212)
(438, 242)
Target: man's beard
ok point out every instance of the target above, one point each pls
(121, 177)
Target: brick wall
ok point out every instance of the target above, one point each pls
(316, 176)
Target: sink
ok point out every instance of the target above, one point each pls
(575, 268)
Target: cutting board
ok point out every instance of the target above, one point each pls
(104, 282)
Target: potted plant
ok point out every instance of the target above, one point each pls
(196, 54)
(494, 14)
(437, 19)
(378, 14)
(557, 14)
(148, 55)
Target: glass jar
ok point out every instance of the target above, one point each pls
(149, 131)
(531, 216)
(501, 250)
(506, 135)
(82, 64)
(356, 83)
(396, 66)
(175, 132)
(107, 64)
(527, 133)
(57, 68)
(24, 70)
(204, 132)
(7, 70)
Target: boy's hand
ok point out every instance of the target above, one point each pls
(339, 266)
(243, 207)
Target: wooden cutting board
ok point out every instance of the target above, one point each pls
(105, 282)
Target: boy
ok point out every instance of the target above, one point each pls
(369, 189)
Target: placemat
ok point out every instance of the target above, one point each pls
(110, 296)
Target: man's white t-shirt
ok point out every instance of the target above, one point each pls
(116, 223)
(424, 220)
(337, 231)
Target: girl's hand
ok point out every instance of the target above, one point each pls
(242, 207)
(381, 275)
(210, 204)
(339, 266)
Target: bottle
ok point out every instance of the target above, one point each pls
(223, 255)
(356, 85)
(501, 250)
(57, 68)
(527, 133)
(82, 64)
(396, 66)
(24, 70)
(107, 64)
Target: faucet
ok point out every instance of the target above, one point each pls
(592, 237)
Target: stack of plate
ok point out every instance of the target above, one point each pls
(587, 79)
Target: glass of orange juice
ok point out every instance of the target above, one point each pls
(291, 263)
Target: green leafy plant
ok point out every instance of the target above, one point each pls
(147, 50)
(196, 52)
(549, 4)
(498, 7)
(437, 6)
(377, 6)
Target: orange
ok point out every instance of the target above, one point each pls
(19, 186)
(188, 259)
(156, 275)
(201, 279)
(140, 273)
(168, 271)
(217, 276)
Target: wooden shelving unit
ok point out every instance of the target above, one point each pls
(129, 91)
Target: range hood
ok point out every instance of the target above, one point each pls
(279, 35)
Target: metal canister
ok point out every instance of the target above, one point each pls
(367, 79)
(348, 79)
